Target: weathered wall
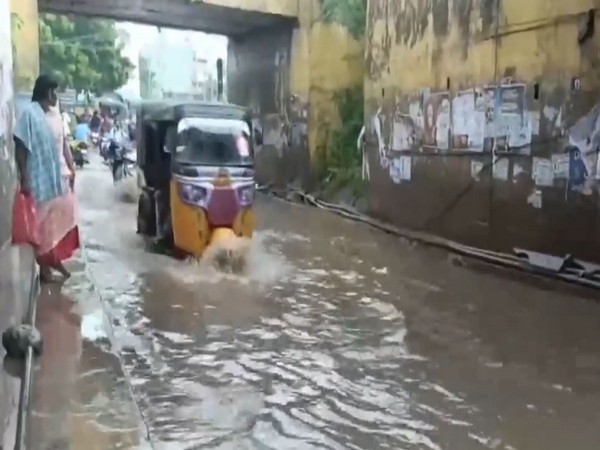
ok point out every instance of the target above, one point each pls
(471, 108)
(336, 63)
(288, 72)
(282, 7)
(258, 72)
(15, 263)
(327, 58)
(7, 167)
(289, 77)
(26, 43)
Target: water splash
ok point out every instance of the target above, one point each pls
(250, 261)
(127, 191)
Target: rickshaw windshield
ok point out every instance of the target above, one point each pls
(213, 142)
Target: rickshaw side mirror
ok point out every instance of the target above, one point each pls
(170, 139)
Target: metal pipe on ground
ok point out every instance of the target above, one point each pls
(26, 382)
(491, 257)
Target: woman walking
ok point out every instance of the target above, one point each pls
(46, 172)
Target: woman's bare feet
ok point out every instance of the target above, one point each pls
(46, 275)
(63, 271)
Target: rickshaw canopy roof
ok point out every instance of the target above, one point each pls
(174, 111)
(111, 102)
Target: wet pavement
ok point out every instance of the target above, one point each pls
(338, 337)
(16, 267)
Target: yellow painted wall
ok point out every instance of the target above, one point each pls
(336, 63)
(532, 42)
(539, 48)
(26, 40)
(282, 7)
(325, 59)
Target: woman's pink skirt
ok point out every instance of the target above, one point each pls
(58, 231)
(62, 251)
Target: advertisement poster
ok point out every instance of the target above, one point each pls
(509, 127)
(578, 172)
(436, 120)
(542, 172)
(468, 120)
(403, 133)
(583, 148)
(401, 169)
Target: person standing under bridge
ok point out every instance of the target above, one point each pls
(39, 156)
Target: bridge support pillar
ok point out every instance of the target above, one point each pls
(289, 77)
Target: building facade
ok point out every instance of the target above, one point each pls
(171, 69)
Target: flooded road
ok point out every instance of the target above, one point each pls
(339, 337)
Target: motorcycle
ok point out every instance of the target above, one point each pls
(123, 161)
(95, 139)
(105, 144)
(79, 150)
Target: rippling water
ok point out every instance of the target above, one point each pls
(335, 337)
(284, 356)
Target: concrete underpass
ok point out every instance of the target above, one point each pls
(337, 336)
(267, 52)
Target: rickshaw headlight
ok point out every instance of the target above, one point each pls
(246, 195)
(192, 194)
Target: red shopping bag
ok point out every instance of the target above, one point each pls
(24, 227)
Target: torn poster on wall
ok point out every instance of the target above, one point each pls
(401, 169)
(582, 151)
(511, 129)
(436, 120)
(542, 172)
(469, 120)
(479, 119)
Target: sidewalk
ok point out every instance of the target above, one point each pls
(80, 400)
(16, 264)
(79, 397)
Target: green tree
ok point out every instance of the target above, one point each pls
(351, 14)
(83, 53)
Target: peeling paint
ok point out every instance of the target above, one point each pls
(7, 167)
(478, 119)
(520, 131)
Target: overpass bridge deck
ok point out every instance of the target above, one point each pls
(212, 16)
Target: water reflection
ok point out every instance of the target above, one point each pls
(294, 363)
(79, 397)
(340, 337)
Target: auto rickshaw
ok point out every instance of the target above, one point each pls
(195, 173)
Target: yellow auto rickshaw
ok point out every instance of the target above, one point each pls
(195, 173)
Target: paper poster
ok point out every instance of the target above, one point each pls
(468, 121)
(436, 120)
(542, 172)
(401, 169)
(476, 168)
(501, 166)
